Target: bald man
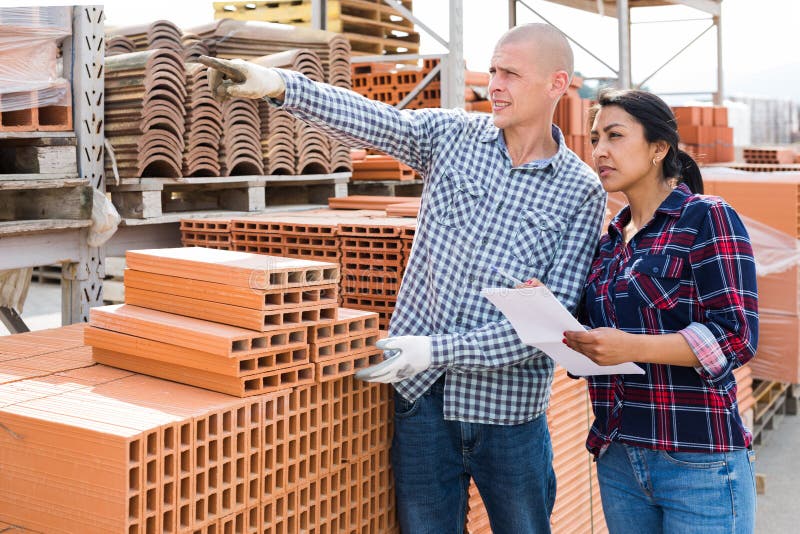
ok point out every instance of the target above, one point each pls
(502, 194)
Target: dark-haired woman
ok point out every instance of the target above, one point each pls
(672, 288)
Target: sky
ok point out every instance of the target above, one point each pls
(759, 39)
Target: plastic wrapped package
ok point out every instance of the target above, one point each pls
(31, 72)
(778, 355)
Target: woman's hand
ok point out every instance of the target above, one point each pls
(604, 346)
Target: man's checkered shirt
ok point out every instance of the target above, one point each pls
(541, 219)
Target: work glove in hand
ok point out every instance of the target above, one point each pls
(237, 78)
(405, 357)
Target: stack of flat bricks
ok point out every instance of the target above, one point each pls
(705, 133)
(381, 167)
(769, 155)
(94, 449)
(209, 233)
(232, 322)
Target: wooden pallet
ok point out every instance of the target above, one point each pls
(770, 407)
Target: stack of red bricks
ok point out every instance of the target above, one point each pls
(209, 233)
(571, 116)
(308, 237)
(383, 82)
(373, 263)
(300, 446)
(704, 133)
(97, 449)
(380, 167)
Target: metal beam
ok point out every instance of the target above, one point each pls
(435, 71)
(624, 23)
(512, 13)
(569, 38)
(410, 16)
(319, 14)
(12, 321)
(719, 96)
(679, 52)
(392, 57)
(712, 7)
(453, 65)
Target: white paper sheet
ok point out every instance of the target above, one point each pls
(540, 320)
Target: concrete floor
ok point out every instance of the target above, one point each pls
(777, 457)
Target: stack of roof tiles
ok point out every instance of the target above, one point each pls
(201, 155)
(144, 112)
(308, 149)
(250, 138)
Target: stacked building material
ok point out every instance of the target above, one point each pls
(373, 262)
(201, 153)
(705, 132)
(370, 27)
(571, 116)
(311, 148)
(769, 155)
(386, 83)
(158, 34)
(119, 44)
(367, 202)
(209, 233)
(240, 148)
(768, 203)
(381, 167)
(193, 47)
(34, 93)
(305, 237)
(144, 112)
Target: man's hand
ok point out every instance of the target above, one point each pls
(236, 78)
(406, 356)
(604, 346)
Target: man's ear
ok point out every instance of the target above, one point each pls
(559, 82)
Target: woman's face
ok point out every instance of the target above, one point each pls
(623, 158)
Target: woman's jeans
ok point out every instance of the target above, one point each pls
(647, 491)
(433, 461)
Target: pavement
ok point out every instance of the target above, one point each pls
(777, 457)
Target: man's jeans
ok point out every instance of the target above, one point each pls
(433, 461)
(677, 492)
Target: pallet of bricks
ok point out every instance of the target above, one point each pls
(366, 240)
(40, 189)
(219, 398)
(371, 26)
(174, 148)
(769, 204)
(704, 133)
(389, 84)
(768, 159)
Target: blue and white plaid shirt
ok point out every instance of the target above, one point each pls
(541, 219)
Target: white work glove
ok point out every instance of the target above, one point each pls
(237, 78)
(406, 356)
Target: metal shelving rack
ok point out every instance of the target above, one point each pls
(65, 241)
(620, 9)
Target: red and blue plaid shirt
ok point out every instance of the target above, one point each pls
(689, 270)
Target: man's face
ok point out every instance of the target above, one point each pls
(518, 89)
